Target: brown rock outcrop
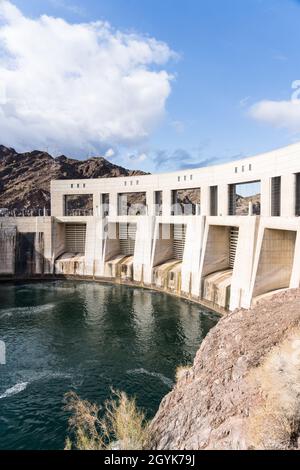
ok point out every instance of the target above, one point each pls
(243, 391)
(25, 177)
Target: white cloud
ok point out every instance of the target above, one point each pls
(281, 114)
(139, 157)
(110, 153)
(68, 6)
(78, 86)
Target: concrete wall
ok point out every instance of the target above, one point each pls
(41, 228)
(275, 262)
(267, 251)
(282, 162)
(8, 238)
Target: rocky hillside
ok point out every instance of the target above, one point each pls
(25, 178)
(243, 391)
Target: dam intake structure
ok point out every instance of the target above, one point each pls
(225, 236)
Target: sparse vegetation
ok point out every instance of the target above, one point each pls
(121, 425)
(181, 372)
(274, 423)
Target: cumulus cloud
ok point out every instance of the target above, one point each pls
(140, 157)
(110, 153)
(181, 159)
(78, 86)
(282, 114)
(63, 4)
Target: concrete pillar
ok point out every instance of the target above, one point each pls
(192, 255)
(266, 197)
(96, 204)
(150, 201)
(295, 278)
(57, 204)
(143, 250)
(288, 195)
(205, 200)
(113, 204)
(223, 199)
(166, 202)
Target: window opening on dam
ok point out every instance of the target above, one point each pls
(127, 236)
(186, 202)
(275, 262)
(214, 201)
(179, 236)
(297, 202)
(276, 196)
(29, 253)
(233, 242)
(78, 205)
(245, 198)
(132, 204)
(168, 256)
(219, 263)
(105, 205)
(158, 203)
(75, 236)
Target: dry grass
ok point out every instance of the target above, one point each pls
(182, 372)
(122, 427)
(275, 422)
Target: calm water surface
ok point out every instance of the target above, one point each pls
(87, 337)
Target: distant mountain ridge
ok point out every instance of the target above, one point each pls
(25, 177)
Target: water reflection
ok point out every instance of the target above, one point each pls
(87, 337)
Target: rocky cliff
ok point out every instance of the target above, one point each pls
(25, 178)
(243, 391)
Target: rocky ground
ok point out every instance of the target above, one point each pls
(243, 391)
(25, 178)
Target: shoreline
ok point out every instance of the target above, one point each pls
(47, 278)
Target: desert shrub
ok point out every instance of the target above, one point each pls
(274, 422)
(181, 372)
(118, 426)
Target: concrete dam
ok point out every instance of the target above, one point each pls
(224, 236)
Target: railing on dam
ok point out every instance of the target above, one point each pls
(24, 212)
(79, 213)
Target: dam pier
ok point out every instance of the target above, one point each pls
(224, 235)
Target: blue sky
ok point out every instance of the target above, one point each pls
(232, 55)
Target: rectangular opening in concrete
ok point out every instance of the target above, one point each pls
(179, 236)
(276, 196)
(170, 243)
(186, 202)
(220, 250)
(275, 262)
(132, 204)
(163, 245)
(158, 202)
(78, 205)
(75, 237)
(245, 198)
(297, 195)
(127, 236)
(119, 250)
(29, 250)
(105, 205)
(218, 265)
(8, 237)
(214, 201)
(168, 256)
